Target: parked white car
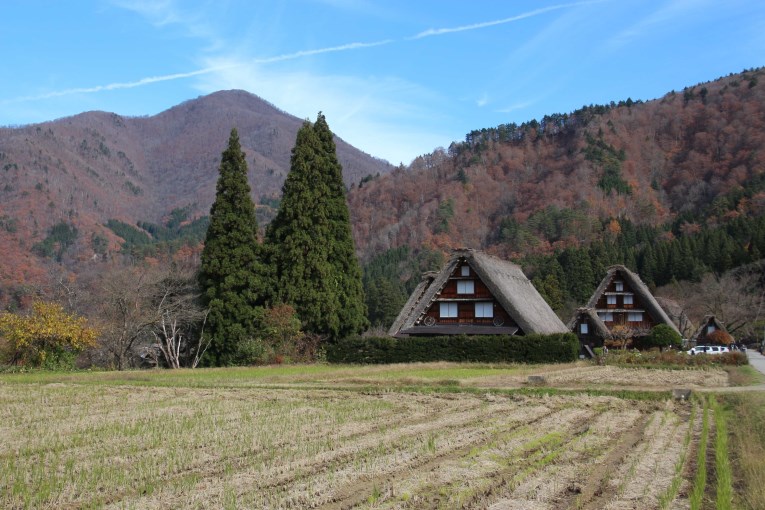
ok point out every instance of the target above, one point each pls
(708, 349)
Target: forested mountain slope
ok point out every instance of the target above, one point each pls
(62, 182)
(557, 182)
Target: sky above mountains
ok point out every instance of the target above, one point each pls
(394, 78)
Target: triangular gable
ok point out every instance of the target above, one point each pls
(450, 288)
(588, 315)
(504, 281)
(703, 329)
(636, 285)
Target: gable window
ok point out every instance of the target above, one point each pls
(465, 271)
(635, 317)
(484, 310)
(606, 316)
(628, 299)
(466, 287)
(710, 329)
(619, 286)
(584, 328)
(611, 300)
(448, 310)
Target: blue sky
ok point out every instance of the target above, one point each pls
(394, 78)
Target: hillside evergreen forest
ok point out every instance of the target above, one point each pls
(674, 188)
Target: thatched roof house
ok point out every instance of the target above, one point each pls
(476, 294)
(621, 299)
(709, 325)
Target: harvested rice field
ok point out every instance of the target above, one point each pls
(425, 436)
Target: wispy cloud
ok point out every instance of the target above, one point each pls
(486, 24)
(164, 13)
(113, 86)
(368, 112)
(676, 10)
(331, 49)
(516, 106)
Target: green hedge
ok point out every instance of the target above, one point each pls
(556, 348)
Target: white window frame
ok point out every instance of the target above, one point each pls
(635, 317)
(465, 286)
(448, 310)
(465, 271)
(628, 299)
(584, 328)
(606, 316)
(619, 286)
(610, 299)
(484, 310)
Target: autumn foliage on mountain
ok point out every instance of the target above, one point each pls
(74, 190)
(678, 169)
(570, 179)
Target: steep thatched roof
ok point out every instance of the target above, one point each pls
(598, 326)
(505, 281)
(701, 332)
(640, 289)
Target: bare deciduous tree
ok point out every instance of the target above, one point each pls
(179, 331)
(622, 336)
(146, 310)
(735, 298)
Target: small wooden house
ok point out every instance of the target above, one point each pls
(709, 325)
(621, 299)
(476, 294)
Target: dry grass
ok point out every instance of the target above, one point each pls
(339, 437)
(747, 447)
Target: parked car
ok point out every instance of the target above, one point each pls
(708, 349)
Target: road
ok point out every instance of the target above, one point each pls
(756, 359)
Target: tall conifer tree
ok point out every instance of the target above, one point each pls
(310, 240)
(342, 256)
(232, 273)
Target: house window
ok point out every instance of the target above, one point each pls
(448, 310)
(465, 271)
(484, 310)
(606, 316)
(611, 300)
(635, 317)
(710, 329)
(628, 299)
(619, 286)
(584, 328)
(465, 287)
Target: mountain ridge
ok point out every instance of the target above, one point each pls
(566, 180)
(89, 168)
(647, 162)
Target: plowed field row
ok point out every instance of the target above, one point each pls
(77, 445)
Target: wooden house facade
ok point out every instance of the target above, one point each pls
(621, 299)
(476, 294)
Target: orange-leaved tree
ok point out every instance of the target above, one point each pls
(49, 337)
(718, 337)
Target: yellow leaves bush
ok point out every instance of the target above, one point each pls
(47, 332)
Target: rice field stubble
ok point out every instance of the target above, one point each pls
(208, 441)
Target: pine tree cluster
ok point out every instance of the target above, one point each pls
(307, 260)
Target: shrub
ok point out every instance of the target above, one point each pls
(556, 348)
(47, 338)
(662, 336)
(674, 358)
